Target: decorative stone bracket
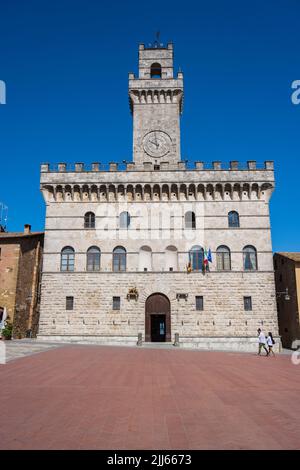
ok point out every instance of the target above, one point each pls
(132, 293)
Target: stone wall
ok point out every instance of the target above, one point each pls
(27, 299)
(20, 273)
(286, 271)
(9, 264)
(223, 315)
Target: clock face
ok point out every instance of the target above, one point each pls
(157, 143)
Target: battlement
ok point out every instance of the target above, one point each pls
(80, 167)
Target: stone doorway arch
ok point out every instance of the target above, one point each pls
(157, 318)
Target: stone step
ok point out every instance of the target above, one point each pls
(158, 345)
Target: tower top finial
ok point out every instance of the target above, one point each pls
(157, 42)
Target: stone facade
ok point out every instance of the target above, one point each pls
(20, 274)
(287, 280)
(159, 192)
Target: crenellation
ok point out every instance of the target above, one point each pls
(166, 166)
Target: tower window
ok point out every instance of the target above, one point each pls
(155, 70)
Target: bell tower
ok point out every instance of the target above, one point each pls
(156, 100)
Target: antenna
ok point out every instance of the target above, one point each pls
(3, 217)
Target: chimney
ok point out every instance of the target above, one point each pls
(27, 229)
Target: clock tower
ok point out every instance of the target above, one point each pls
(156, 100)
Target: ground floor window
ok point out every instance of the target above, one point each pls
(199, 302)
(116, 303)
(247, 303)
(69, 303)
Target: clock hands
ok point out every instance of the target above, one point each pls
(154, 143)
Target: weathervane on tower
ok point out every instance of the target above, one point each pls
(157, 42)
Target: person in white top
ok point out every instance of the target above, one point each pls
(270, 342)
(261, 342)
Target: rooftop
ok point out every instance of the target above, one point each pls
(19, 234)
(27, 233)
(292, 256)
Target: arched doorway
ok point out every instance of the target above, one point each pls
(157, 318)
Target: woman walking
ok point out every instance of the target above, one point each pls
(270, 343)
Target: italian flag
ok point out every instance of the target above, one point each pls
(205, 259)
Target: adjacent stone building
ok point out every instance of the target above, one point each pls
(287, 278)
(158, 248)
(20, 274)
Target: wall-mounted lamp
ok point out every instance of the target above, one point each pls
(182, 296)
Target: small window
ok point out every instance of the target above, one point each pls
(233, 219)
(116, 303)
(89, 220)
(156, 167)
(69, 303)
(280, 278)
(247, 303)
(199, 302)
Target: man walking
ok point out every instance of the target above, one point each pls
(261, 342)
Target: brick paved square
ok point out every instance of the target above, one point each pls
(101, 397)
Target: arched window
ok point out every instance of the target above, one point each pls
(67, 259)
(124, 220)
(145, 259)
(233, 219)
(89, 220)
(93, 259)
(250, 258)
(155, 70)
(196, 258)
(190, 220)
(223, 258)
(171, 258)
(119, 259)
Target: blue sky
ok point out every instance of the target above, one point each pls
(66, 64)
